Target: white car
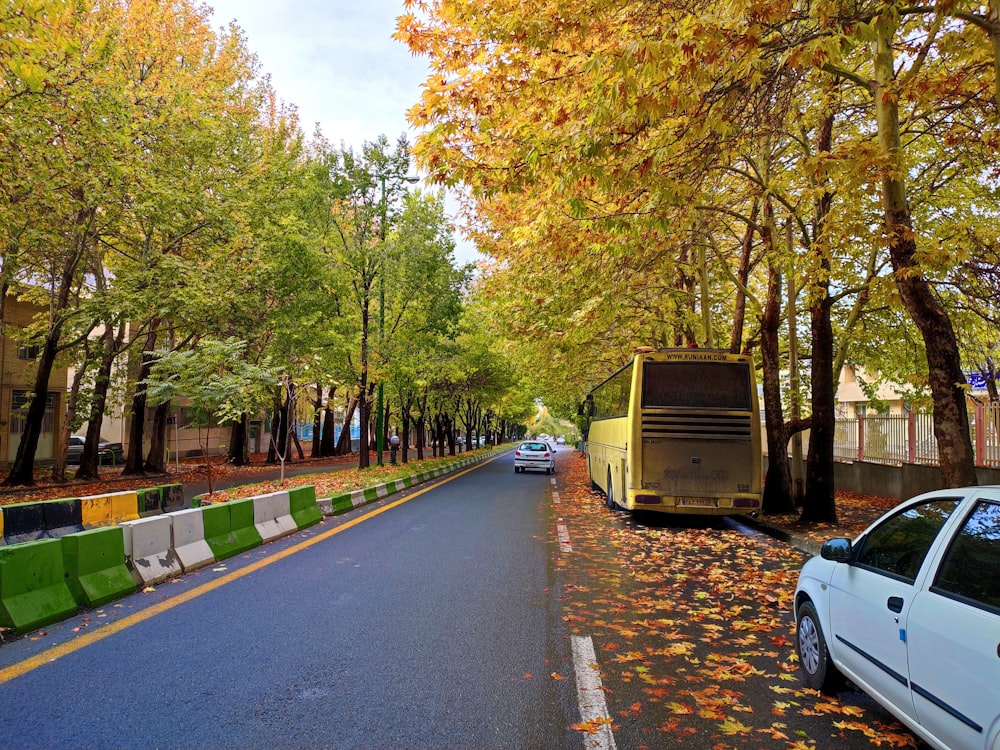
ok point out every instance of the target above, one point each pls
(534, 454)
(910, 612)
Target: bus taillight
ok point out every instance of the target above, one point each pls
(647, 499)
(746, 502)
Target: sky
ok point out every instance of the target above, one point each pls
(337, 62)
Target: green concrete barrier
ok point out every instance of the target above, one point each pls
(229, 528)
(302, 501)
(341, 504)
(96, 572)
(33, 590)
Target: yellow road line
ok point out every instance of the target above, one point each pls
(93, 636)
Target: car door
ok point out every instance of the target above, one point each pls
(954, 635)
(870, 599)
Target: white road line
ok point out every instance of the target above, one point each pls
(590, 694)
(563, 532)
(555, 498)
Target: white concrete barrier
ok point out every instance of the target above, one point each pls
(189, 539)
(272, 516)
(151, 557)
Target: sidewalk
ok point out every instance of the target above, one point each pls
(193, 474)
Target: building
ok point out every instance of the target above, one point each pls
(17, 381)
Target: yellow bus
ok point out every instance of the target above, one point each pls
(677, 431)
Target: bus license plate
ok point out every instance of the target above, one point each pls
(697, 502)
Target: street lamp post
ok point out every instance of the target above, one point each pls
(380, 416)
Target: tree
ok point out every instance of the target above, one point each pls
(367, 186)
(216, 379)
(586, 145)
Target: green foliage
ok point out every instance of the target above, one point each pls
(215, 377)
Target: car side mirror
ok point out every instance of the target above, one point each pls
(838, 550)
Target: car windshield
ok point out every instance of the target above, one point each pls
(534, 447)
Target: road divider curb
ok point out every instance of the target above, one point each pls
(150, 554)
(304, 508)
(229, 528)
(272, 516)
(96, 572)
(63, 516)
(336, 505)
(188, 532)
(33, 589)
(23, 522)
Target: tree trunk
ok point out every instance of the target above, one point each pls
(365, 402)
(743, 275)
(344, 443)
(238, 433)
(72, 399)
(405, 437)
(328, 445)
(421, 429)
(273, 449)
(819, 502)
(91, 455)
(777, 495)
(951, 416)
(22, 471)
(317, 439)
(137, 424)
(156, 458)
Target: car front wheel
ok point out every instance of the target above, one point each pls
(818, 671)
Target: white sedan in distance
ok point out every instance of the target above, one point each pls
(534, 454)
(910, 612)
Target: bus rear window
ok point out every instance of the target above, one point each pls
(705, 385)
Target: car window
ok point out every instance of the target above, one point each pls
(533, 447)
(899, 544)
(971, 567)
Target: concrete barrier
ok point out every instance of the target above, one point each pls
(188, 527)
(148, 549)
(150, 501)
(95, 511)
(33, 590)
(171, 497)
(229, 528)
(62, 517)
(23, 522)
(303, 505)
(272, 516)
(124, 506)
(96, 572)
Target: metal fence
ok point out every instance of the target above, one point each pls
(909, 438)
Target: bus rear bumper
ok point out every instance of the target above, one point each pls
(696, 504)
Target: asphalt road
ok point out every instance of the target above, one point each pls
(414, 628)
(470, 615)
